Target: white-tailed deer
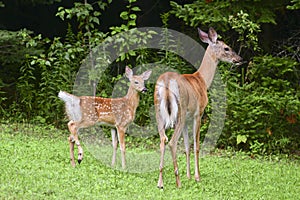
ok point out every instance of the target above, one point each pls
(85, 111)
(178, 97)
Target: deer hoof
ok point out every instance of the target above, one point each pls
(79, 161)
(160, 187)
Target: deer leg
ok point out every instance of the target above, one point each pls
(80, 151)
(121, 135)
(163, 141)
(71, 126)
(173, 146)
(196, 132)
(187, 151)
(115, 146)
(71, 143)
(74, 139)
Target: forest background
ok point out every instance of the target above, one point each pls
(43, 44)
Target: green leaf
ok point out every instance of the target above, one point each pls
(132, 16)
(135, 8)
(123, 57)
(47, 63)
(241, 138)
(131, 23)
(96, 20)
(124, 15)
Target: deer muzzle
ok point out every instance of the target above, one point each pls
(238, 60)
(144, 90)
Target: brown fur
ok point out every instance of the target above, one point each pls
(191, 101)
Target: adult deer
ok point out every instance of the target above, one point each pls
(85, 111)
(178, 97)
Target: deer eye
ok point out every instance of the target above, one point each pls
(226, 49)
(136, 82)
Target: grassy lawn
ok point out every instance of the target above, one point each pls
(35, 165)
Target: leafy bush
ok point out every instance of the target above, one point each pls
(15, 47)
(263, 114)
(44, 75)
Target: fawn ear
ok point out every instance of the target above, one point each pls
(146, 75)
(212, 34)
(128, 72)
(203, 36)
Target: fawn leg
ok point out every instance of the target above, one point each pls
(71, 143)
(121, 135)
(80, 151)
(115, 145)
(74, 139)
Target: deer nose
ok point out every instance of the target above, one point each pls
(144, 90)
(238, 60)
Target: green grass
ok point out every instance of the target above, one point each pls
(34, 164)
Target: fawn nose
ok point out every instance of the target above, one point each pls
(144, 90)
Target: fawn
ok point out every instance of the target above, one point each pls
(85, 111)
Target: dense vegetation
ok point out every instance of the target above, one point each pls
(263, 107)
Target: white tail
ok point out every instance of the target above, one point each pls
(72, 105)
(85, 111)
(177, 96)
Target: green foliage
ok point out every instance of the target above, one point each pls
(295, 5)
(245, 17)
(258, 111)
(43, 76)
(129, 16)
(247, 30)
(2, 97)
(84, 13)
(217, 13)
(16, 47)
(87, 17)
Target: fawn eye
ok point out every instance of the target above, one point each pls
(136, 82)
(226, 49)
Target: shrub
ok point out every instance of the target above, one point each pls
(263, 113)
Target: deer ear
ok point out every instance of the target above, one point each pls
(146, 75)
(212, 34)
(128, 72)
(203, 36)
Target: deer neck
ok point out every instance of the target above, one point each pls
(132, 96)
(208, 66)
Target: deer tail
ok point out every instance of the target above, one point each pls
(72, 103)
(168, 102)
